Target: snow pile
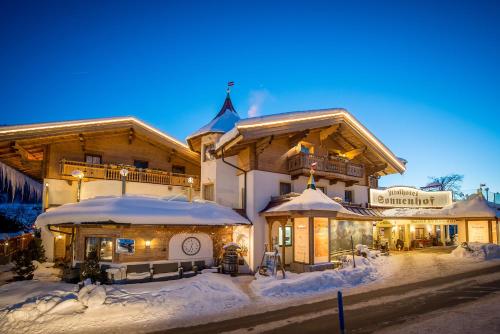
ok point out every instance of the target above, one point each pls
(92, 295)
(46, 272)
(478, 251)
(133, 307)
(133, 209)
(314, 282)
(363, 250)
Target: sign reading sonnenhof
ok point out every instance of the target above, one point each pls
(406, 197)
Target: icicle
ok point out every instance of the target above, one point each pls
(17, 181)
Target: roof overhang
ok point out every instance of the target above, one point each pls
(281, 123)
(36, 135)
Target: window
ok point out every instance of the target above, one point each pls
(288, 236)
(306, 148)
(104, 247)
(208, 192)
(348, 196)
(420, 233)
(285, 188)
(178, 169)
(141, 164)
(208, 152)
(323, 189)
(93, 159)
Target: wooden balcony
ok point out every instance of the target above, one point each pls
(112, 172)
(333, 169)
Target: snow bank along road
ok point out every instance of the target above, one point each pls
(366, 312)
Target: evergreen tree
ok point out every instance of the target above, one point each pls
(23, 265)
(37, 252)
(90, 268)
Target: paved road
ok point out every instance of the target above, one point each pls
(321, 317)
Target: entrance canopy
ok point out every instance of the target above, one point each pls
(313, 202)
(142, 210)
(475, 207)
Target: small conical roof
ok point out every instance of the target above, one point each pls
(311, 200)
(224, 121)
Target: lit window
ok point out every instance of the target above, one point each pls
(288, 236)
(103, 246)
(420, 233)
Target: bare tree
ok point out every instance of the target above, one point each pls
(451, 182)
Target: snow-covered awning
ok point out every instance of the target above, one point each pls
(142, 210)
(313, 202)
(473, 207)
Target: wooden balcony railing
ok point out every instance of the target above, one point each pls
(112, 172)
(325, 164)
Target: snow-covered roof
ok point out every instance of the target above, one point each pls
(142, 210)
(222, 122)
(473, 207)
(309, 117)
(311, 200)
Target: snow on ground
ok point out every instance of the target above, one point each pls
(480, 316)
(43, 306)
(478, 250)
(57, 307)
(316, 282)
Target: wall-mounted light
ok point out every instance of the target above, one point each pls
(59, 236)
(148, 243)
(412, 228)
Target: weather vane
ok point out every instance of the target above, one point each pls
(229, 85)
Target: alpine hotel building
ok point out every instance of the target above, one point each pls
(235, 180)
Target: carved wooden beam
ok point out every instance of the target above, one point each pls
(81, 138)
(294, 140)
(354, 153)
(25, 155)
(264, 143)
(376, 169)
(325, 133)
(350, 183)
(131, 135)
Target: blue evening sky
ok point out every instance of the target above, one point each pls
(422, 76)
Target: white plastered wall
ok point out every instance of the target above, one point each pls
(332, 190)
(261, 186)
(114, 188)
(360, 194)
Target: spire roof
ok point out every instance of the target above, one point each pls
(224, 121)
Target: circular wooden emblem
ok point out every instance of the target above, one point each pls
(191, 246)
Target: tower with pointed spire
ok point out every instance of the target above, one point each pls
(219, 181)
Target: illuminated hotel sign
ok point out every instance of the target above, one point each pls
(406, 197)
